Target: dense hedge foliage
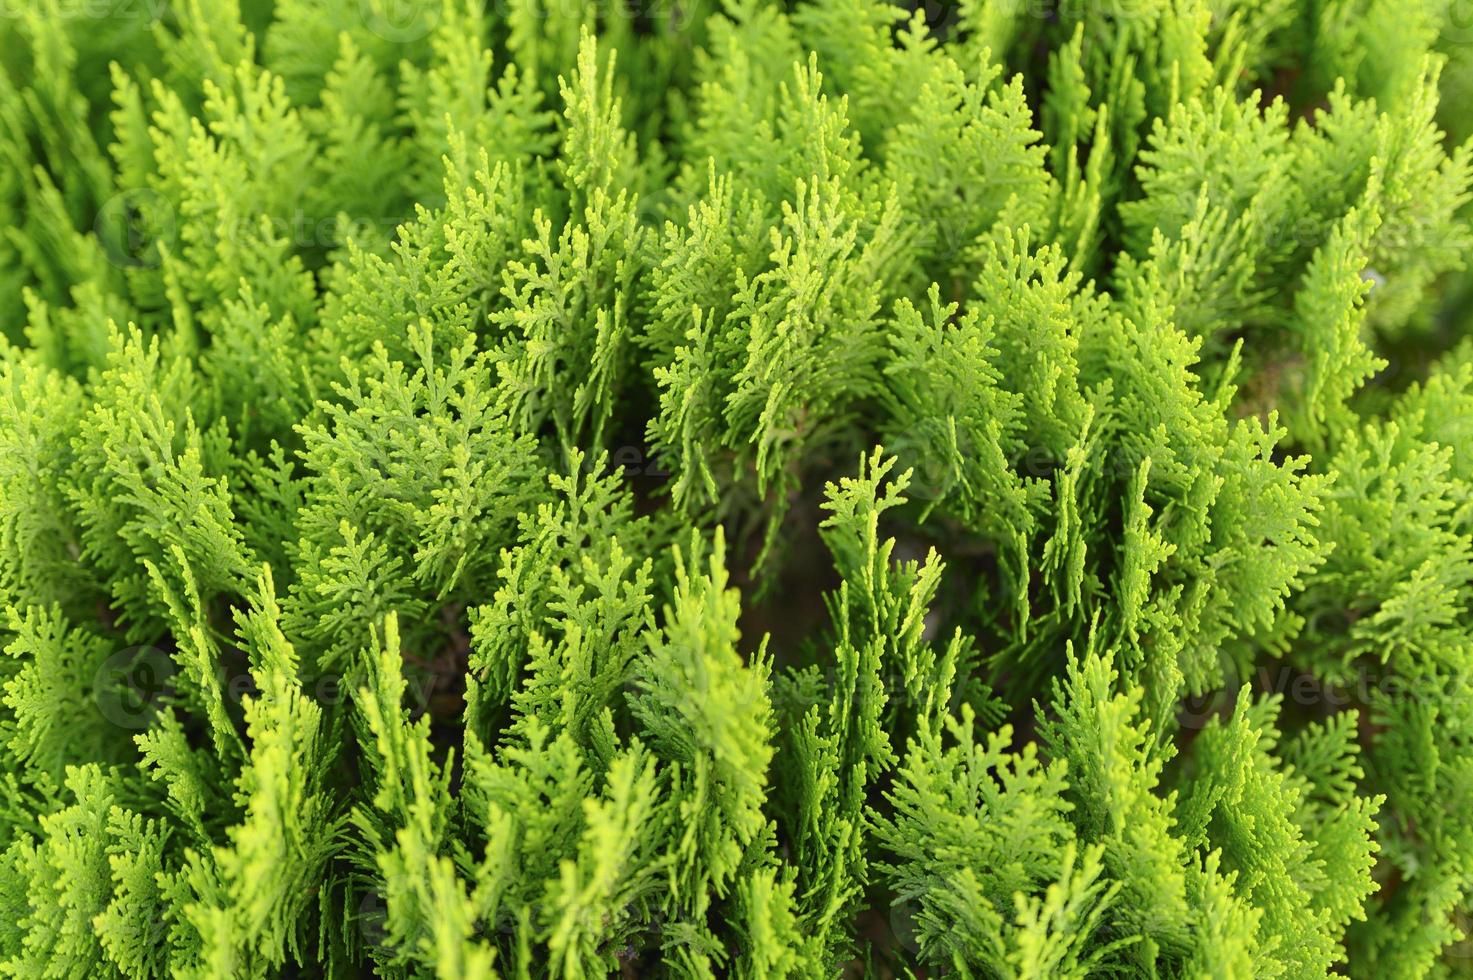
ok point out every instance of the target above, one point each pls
(735, 488)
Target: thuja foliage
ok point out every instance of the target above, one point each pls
(733, 488)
